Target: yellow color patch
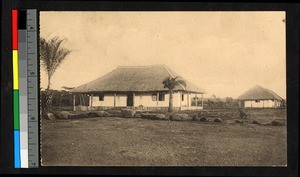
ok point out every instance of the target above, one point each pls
(15, 70)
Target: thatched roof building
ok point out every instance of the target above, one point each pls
(259, 93)
(139, 87)
(258, 96)
(135, 79)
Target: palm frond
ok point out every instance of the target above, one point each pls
(52, 54)
(172, 82)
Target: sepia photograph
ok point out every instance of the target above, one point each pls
(163, 88)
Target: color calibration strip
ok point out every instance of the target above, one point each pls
(16, 89)
(25, 88)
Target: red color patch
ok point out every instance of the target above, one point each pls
(15, 29)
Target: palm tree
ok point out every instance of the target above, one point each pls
(171, 83)
(52, 55)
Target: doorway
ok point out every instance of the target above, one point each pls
(129, 99)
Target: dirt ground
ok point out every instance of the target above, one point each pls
(112, 141)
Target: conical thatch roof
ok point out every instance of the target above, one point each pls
(259, 93)
(135, 79)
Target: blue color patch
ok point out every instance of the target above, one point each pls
(17, 149)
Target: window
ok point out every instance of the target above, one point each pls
(161, 97)
(101, 97)
(257, 101)
(182, 97)
(154, 97)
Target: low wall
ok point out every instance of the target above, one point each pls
(192, 108)
(98, 108)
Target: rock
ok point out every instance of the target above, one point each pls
(50, 116)
(128, 113)
(277, 123)
(217, 120)
(255, 122)
(238, 121)
(63, 115)
(179, 117)
(98, 114)
(158, 117)
(203, 119)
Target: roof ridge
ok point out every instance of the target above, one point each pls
(141, 66)
(257, 90)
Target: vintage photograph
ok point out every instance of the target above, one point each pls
(163, 88)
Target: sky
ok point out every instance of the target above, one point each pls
(225, 53)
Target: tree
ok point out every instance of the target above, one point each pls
(52, 55)
(171, 83)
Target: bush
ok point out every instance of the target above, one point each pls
(179, 117)
(128, 113)
(217, 120)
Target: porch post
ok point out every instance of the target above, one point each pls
(91, 100)
(190, 100)
(240, 104)
(196, 100)
(157, 99)
(202, 100)
(133, 95)
(115, 100)
(180, 98)
(74, 102)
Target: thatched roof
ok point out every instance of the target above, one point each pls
(259, 93)
(135, 79)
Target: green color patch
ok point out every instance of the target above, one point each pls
(16, 110)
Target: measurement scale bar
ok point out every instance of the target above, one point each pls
(32, 90)
(25, 89)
